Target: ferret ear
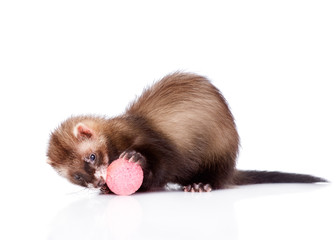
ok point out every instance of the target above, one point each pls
(82, 131)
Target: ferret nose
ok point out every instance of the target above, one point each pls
(101, 182)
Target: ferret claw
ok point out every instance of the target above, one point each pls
(197, 187)
(132, 159)
(122, 155)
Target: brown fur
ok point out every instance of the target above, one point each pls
(182, 127)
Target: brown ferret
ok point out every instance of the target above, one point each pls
(180, 130)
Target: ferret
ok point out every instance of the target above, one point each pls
(180, 130)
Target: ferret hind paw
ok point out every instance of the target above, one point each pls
(197, 187)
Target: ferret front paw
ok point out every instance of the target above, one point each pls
(197, 187)
(133, 156)
(105, 189)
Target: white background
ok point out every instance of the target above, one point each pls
(274, 61)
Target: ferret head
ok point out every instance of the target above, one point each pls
(78, 151)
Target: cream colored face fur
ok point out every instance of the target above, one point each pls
(91, 146)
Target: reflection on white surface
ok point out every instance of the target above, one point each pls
(102, 216)
(178, 215)
(163, 215)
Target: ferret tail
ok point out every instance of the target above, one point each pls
(243, 177)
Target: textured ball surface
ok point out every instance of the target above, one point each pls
(124, 177)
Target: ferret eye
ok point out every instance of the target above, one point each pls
(92, 157)
(77, 177)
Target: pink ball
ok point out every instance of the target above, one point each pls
(124, 177)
